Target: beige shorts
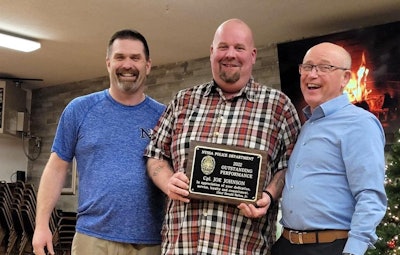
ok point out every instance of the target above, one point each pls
(84, 244)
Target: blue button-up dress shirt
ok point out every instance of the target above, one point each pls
(335, 177)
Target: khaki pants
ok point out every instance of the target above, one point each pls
(84, 245)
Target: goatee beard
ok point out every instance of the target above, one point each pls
(229, 78)
(128, 86)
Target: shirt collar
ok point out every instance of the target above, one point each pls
(326, 108)
(251, 90)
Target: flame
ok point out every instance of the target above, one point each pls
(356, 89)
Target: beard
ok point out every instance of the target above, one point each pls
(229, 77)
(130, 85)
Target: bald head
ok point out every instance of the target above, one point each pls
(332, 52)
(236, 24)
(320, 86)
(232, 56)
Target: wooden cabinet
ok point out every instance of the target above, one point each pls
(12, 101)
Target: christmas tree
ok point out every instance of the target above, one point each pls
(388, 230)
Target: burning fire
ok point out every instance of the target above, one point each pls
(357, 90)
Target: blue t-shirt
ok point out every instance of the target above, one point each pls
(117, 201)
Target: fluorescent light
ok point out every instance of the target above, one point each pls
(17, 43)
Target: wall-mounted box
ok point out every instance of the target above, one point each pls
(12, 101)
(22, 122)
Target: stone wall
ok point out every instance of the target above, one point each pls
(162, 84)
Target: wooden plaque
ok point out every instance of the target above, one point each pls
(227, 174)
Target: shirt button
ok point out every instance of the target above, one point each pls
(216, 134)
(205, 213)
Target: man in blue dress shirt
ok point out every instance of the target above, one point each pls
(334, 194)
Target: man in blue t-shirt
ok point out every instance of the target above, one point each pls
(120, 210)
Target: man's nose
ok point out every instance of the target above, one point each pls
(314, 71)
(231, 52)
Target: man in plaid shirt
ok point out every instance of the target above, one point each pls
(233, 110)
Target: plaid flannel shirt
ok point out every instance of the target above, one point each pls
(258, 118)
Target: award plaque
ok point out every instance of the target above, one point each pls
(227, 174)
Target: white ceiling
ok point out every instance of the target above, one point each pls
(74, 33)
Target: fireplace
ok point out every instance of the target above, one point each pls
(375, 83)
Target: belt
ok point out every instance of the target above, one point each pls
(323, 236)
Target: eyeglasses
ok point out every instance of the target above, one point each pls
(321, 68)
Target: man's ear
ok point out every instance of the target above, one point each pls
(148, 66)
(346, 78)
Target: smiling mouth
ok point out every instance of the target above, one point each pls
(127, 76)
(229, 65)
(313, 86)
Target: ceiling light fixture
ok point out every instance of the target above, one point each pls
(18, 43)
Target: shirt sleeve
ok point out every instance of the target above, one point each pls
(160, 143)
(290, 127)
(363, 155)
